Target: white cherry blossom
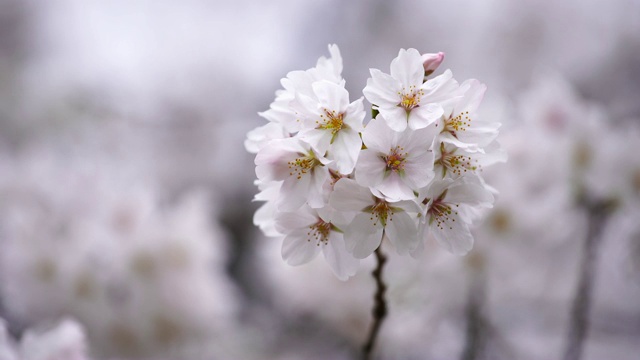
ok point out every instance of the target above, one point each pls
(374, 217)
(311, 231)
(300, 82)
(395, 163)
(332, 124)
(460, 124)
(449, 210)
(452, 161)
(403, 97)
(302, 171)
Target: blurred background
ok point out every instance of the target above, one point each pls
(125, 189)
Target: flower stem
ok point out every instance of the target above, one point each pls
(379, 306)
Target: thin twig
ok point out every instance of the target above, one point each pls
(379, 306)
(579, 321)
(477, 328)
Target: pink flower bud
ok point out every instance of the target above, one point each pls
(431, 62)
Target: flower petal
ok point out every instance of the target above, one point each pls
(402, 233)
(347, 195)
(297, 249)
(370, 168)
(377, 135)
(361, 237)
(407, 68)
(453, 234)
(343, 264)
(382, 89)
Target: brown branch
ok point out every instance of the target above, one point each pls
(598, 214)
(379, 306)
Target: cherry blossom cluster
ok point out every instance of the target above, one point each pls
(334, 185)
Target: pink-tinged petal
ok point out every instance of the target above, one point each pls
(260, 136)
(343, 264)
(402, 232)
(362, 237)
(463, 192)
(293, 193)
(318, 139)
(394, 188)
(436, 188)
(430, 62)
(370, 168)
(268, 190)
(298, 248)
(472, 97)
(345, 150)
(419, 170)
(306, 109)
(378, 136)
(331, 96)
(412, 207)
(355, 115)
(315, 195)
(349, 196)
(454, 236)
(423, 116)
(264, 219)
(407, 68)
(286, 222)
(480, 134)
(382, 89)
(494, 153)
(271, 161)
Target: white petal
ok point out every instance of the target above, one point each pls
(439, 83)
(355, 115)
(424, 115)
(402, 232)
(472, 96)
(286, 222)
(349, 196)
(298, 249)
(331, 96)
(407, 68)
(345, 150)
(343, 264)
(264, 219)
(378, 136)
(395, 117)
(419, 170)
(319, 139)
(316, 195)
(294, 193)
(370, 168)
(394, 188)
(271, 160)
(362, 237)
(382, 89)
(453, 235)
(464, 192)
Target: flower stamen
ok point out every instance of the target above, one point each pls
(319, 232)
(396, 159)
(302, 165)
(331, 120)
(410, 99)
